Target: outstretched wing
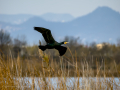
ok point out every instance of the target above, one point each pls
(46, 34)
(61, 50)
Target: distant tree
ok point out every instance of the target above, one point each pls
(72, 40)
(5, 40)
(118, 42)
(106, 48)
(93, 45)
(93, 48)
(19, 45)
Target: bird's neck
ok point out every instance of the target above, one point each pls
(61, 43)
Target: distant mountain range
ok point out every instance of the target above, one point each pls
(15, 19)
(21, 18)
(57, 17)
(101, 25)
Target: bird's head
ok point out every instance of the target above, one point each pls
(65, 42)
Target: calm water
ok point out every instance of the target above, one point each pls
(71, 82)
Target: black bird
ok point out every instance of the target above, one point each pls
(51, 43)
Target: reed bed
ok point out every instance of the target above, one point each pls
(45, 73)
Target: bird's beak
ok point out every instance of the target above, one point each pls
(66, 42)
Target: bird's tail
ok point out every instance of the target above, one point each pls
(43, 48)
(61, 50)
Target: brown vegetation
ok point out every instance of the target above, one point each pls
(19, 61)
(12, 70)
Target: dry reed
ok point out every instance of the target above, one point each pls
(44, 73)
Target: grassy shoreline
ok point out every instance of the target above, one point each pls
(64, 67)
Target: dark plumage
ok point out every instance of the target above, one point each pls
(51, 43)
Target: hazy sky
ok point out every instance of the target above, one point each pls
(38, 7)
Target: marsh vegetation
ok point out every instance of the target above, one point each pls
(24, 67)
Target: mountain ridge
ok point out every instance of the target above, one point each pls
(101, 25)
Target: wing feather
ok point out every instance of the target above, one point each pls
(61, 50)
(46, 33)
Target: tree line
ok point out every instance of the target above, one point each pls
(18, 46)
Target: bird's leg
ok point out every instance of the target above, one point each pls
(39, 42)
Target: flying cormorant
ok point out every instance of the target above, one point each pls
(51, 43)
